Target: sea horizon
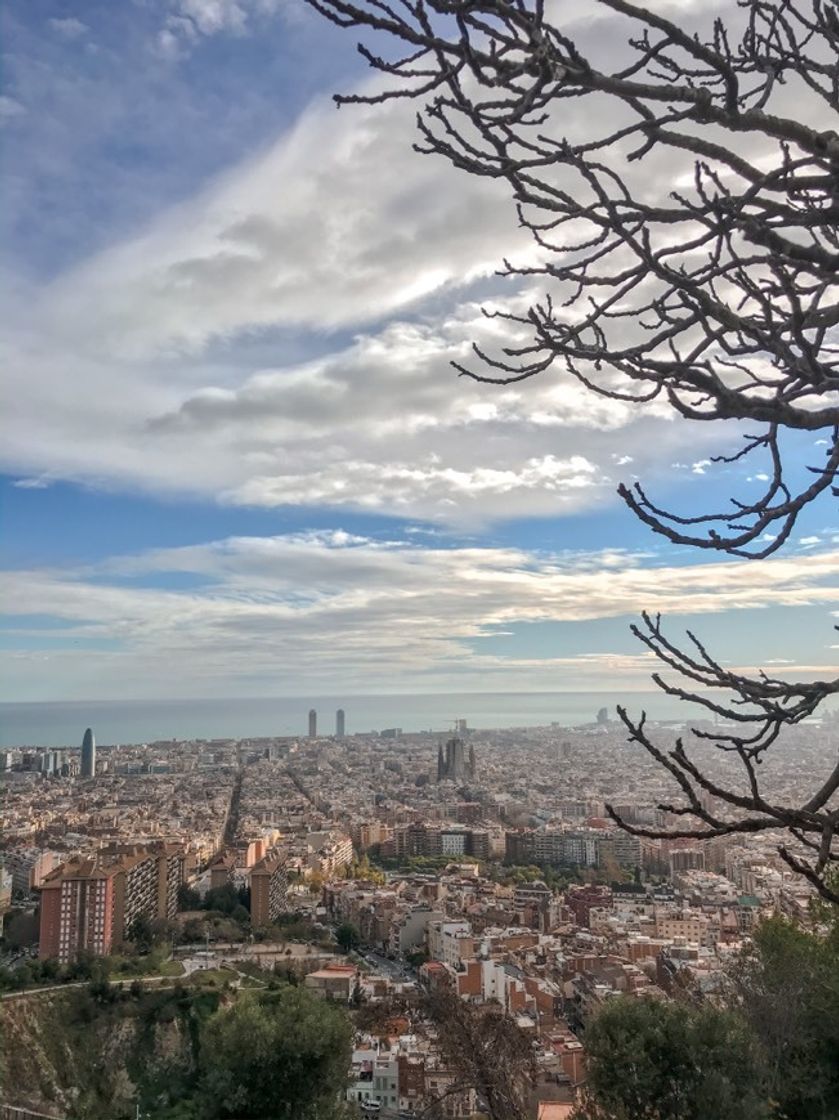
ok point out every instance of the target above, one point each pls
(61, 723)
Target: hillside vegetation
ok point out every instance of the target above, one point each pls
(181, 1053)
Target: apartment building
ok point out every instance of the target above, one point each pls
(556, 847)
(450, 942)
(409, 927)
(331, 851)
(369, 834)
(28, 867)
(222, 869)
(269, 887)
(90, 904)
(77, 910)
(171, 865)
(421, 839)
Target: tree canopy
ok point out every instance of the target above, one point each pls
(774, 1053)
(283, 1056)
(669, 1061)
(787, 986)
(347, 936)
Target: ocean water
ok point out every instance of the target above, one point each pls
(137, 721)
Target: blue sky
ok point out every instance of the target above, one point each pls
(235, 458)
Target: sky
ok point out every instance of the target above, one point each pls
(235, 457)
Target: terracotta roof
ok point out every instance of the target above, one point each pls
(554, 1110)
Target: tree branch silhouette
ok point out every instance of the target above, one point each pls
(716, 296)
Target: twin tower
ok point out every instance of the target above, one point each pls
(340, 724)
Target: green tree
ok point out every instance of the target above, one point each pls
(224, 899)
(141, 934)
(347, 936)
(188, 898)
(193, 930)
(240, 914)
(101, 991)
(285, 1057)
(88, 966)
(670, 1061)
(787, 984)
(20, 928)
(362, 868)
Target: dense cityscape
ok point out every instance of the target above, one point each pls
(420, 694)
(381, 867)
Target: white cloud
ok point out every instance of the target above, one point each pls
(150, 365)
(319, 610)
(32, 483)
(338, 223)
(9, 109)
(383, 424)
(69, 28)
(188, 20)
(135, 369)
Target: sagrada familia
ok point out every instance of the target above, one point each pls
(454, 764)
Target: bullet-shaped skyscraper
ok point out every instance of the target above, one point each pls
(313, 724)
(88, 754)
(340, 724)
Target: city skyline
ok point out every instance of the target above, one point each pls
(420, 688)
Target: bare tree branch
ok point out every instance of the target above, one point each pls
(759, 708)
(723, 300)
(718, 295)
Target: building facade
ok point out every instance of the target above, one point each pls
(269, 887)
(456, 764)
(89, 905)
(88, 755)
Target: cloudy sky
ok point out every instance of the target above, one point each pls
(235, 458)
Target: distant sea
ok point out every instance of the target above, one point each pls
(139, 721)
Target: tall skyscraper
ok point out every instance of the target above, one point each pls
(88, 754)
(339, 724)
(313, 724)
